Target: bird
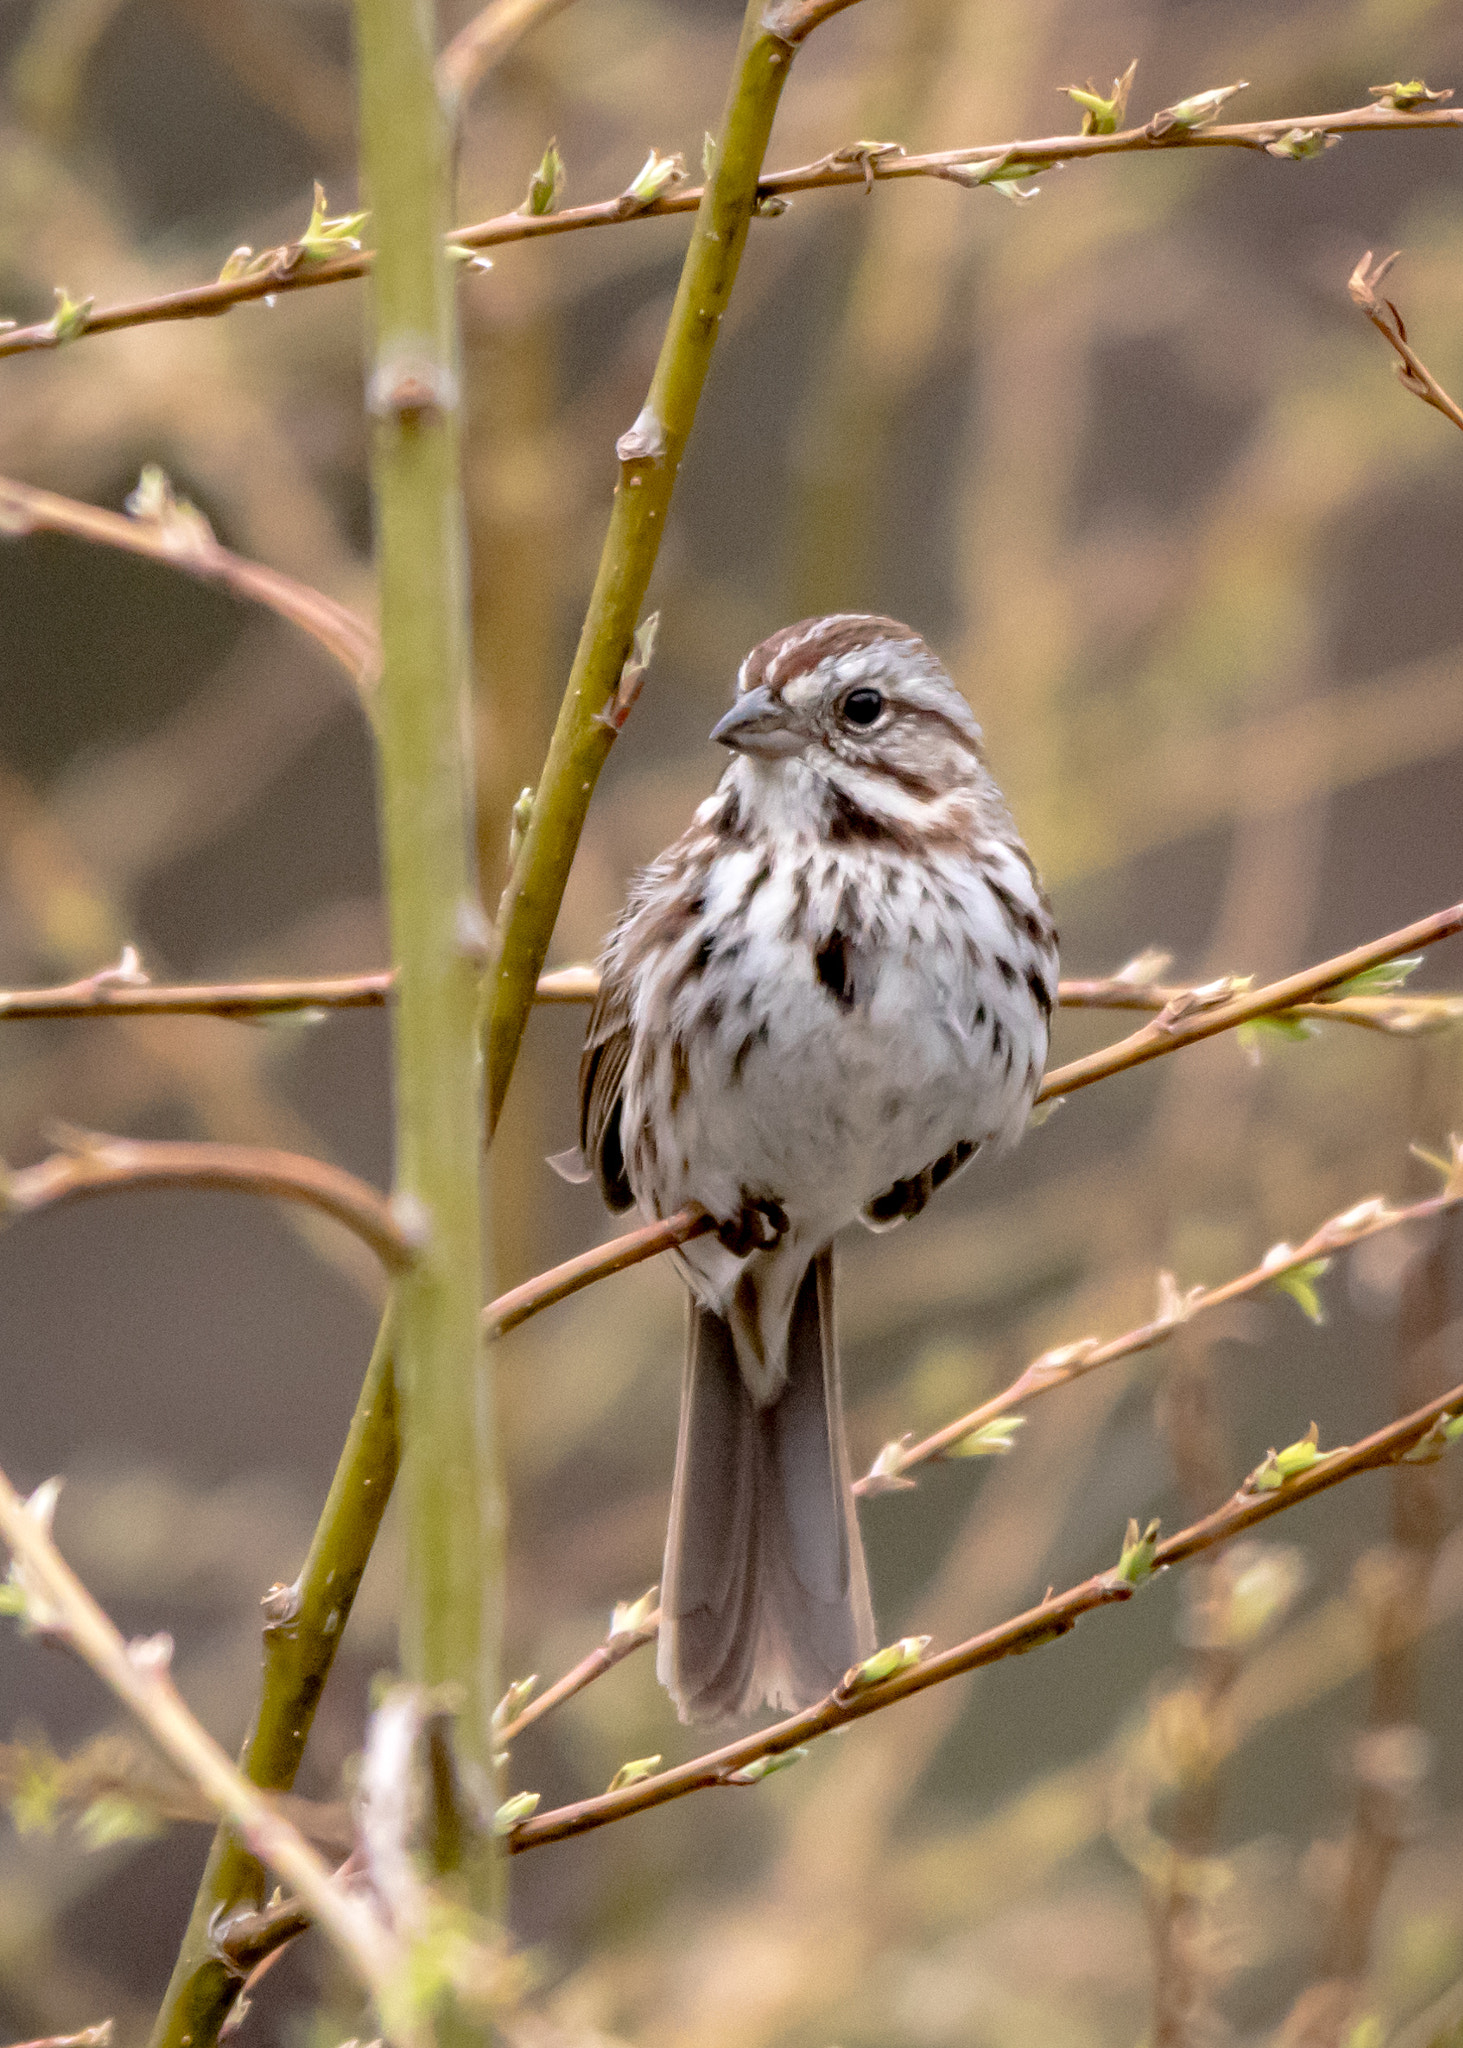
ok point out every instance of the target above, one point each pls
(818, 1004)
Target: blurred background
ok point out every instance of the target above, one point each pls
(1133, 463)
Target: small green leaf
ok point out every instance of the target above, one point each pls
(1299, 143)
(992, 1440)
(514, 1812)
(632, 1773)
(1405, 96)
(631, 1617)
(35, 1799)
(1135, 1564)
(1102, 116)
(546, 183)
(1195, 112)
(113, 1818)
(1382, 980)
(655, 177)
(763, 1766)
(70, 317)
(1443, 1431)
(885, 1663)
(1287, 1464)
(470, 259)
(517, 1697)
(326, 237)
(1299, 1284)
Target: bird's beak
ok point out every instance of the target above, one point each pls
(758, 724)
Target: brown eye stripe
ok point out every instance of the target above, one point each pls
(797, 650)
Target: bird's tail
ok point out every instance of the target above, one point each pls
(765, 1596)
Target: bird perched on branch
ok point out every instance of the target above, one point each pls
(817, 1006)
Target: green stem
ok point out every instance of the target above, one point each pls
(452, 1514)
(299, 1648)
(650, 460)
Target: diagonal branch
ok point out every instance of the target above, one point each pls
(168, 529)
(840, 168)
(94, 1164)
(1058, 1368)
(1413, 373)
(1256, 1501)
(1193, 1018)
(649, 455)
(56, 1602)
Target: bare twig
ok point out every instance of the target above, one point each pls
(1194, 1017)
(1256, 1501)
(99, 2036)
(617, 1645)
(483, 42)
(1058, 1368)
(289, 275)
(167, 529)
(1399, 1016)
(126, 992)
(137, 1673)
(509, 1310)
(1413, 373)
(94, 1164)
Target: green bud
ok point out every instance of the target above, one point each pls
(1102, 116)
(992, 1440)
(1252, 1035)
(632, 1616)
(325, 238)
(1300, 143)
(763, 1766)
(1196, 112)
(656, 176)
(632, 1773)
(514, 1812)
(1443, 1431)
(114, 1818)
(517, 1697)
(70, 317)
(1382, 980)
(1299, 1284)
(546, 183)
(1287, 1464)
(1135, 1563)
(885, 1664)
(470, 259)
(1405, 96)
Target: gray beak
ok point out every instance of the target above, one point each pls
(758, 724)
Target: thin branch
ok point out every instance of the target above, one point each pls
(1413, 373)
(618, 1645)
(841, 168)
(509, 1310)
(1193, 1018)
(94, 1164)
(167, 529)
(125, 991)
(99, 2036)
(103, 995)
(593, 710)
(303, 1628)
(482, 43)
(1058, 1368)
(1029, 1631)
(137, 1673)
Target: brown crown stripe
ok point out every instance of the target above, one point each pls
(796, 650)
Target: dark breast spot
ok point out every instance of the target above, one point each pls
(1041, 995)
(701, 959)
(1006, 971)
(834, 969)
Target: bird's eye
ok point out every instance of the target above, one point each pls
(862, 707)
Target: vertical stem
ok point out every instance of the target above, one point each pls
(449, 1483)
(300, 1641)
(650, 457)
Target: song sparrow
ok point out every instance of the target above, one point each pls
(817, 1005)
